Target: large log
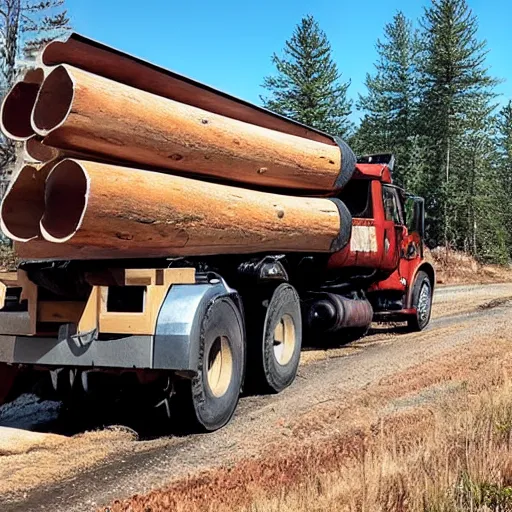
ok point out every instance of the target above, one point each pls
(99, 59)
(23, 204)
(78, 111)
(147, 214)
(17, 106)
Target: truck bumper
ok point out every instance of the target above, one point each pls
(122, 352)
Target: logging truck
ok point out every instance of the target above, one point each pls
(194, 287)
(203, 326)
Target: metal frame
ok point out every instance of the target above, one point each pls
(173, 346)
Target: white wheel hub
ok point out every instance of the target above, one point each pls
(285, 340)
(220, 366)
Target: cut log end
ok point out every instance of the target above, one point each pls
(16, 110)
(66, 195)
(36, 151)
(54, 101)
(23, 205)
(51, 53)
(34, 76)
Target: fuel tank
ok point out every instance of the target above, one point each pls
(330, 312)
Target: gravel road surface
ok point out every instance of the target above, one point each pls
(462, 314)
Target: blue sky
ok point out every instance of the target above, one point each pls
(228, 44)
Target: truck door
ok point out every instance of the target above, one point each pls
(393, 227)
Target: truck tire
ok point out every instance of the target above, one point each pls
(215, 389)
(276, 342)
(422, 301)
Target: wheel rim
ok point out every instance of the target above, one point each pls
(284, 340)
(220, 366)
(424, 303)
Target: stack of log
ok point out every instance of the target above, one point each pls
(124, 159)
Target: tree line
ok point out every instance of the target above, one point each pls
(432, 102)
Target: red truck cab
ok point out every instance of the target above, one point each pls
(387, 239)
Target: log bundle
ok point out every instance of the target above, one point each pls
(144, 163)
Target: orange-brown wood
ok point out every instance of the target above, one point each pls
(17, 106)
(7, 280)
(39, 249)
(159, 281)
(79, 111)
(147, 214)
(29, 293)
(94, 313)
(83, 53)
(23, 203)
(60, 311)
(89, 319)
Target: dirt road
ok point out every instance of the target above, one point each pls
(94, 469)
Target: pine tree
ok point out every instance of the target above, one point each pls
(455, 116)
(480, 216)
(505, 136)
(504, 166)
(391, 101)
(25, 26)
(307, 86)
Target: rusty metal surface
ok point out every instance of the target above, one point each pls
(332, 312)
(352, 312)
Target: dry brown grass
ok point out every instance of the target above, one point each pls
(451, 459)
(457, 458)
(436, 438)
(453, 267)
